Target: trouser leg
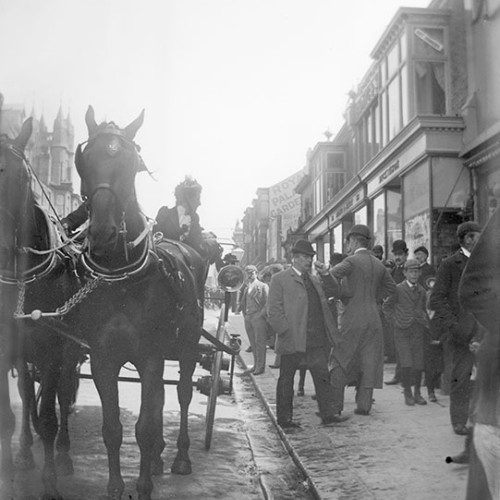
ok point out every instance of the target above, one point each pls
(338, 382)
(317, 362)
(260, 344)
(284, 389)
(250, 332)
(364, 398)
(460, 391)
(302, 379)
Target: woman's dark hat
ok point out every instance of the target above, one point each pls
(303, 247)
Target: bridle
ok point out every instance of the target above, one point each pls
(42, 269)
(131, 267)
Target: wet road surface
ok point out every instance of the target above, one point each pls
(246, 461)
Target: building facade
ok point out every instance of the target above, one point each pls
(419, 151)
(51, 156)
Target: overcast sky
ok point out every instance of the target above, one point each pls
(235, 91)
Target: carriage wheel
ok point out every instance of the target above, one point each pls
(214, 390)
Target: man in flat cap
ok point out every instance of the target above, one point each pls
(459, 325)
(299, 313)
(359, 356)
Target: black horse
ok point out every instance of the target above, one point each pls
(145, 305)
(34, 274)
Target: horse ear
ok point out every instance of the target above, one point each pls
(90, 120)
(131, 130)
(22, 139)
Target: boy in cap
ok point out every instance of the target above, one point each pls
(426, 270)
(407, 309)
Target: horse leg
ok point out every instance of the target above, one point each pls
(105, 375)
(48, 428)
(7, 423)
(149, 426)
(66, 393)
(187, 364)
(24, 458)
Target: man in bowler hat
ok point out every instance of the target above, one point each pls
(400, 253)
(359, 355)
(298, 312)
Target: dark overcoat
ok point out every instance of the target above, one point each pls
(361, 349)
(288, 306)
(479, 294)
(459, 323)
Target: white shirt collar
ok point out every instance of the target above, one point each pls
(296, 270)
(465, 252)
(359, 249)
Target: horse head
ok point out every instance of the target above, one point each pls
(15, 191)
(107, 166)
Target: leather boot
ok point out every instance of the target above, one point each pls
(463, 457)
(409, 397)
(417, 397)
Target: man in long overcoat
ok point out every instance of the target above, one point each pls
(479, 294)
(359, 356)
(299, 313)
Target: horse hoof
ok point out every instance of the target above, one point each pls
(182, 467)
(25, 461)
(64, 465)
(157, 467)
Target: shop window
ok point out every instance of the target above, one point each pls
(337, 239)
(450, 183)
(394, 219)
(361, 216)
(416, 190)
(430, 85)
(379, 220)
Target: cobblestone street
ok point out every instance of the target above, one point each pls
(396, 453)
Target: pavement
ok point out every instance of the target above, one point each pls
(397, 452)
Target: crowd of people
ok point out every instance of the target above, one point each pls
(343, 320)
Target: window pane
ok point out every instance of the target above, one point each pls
(394, 223)
(393, 60)
(404, 47)
(379, 220)
(394, 108)
(429, 42)
(405, 101)
(431, 85)
(376, 121)
(337, 239)
(416, 190)
(385, 119)
(361, 216)
(450, 181)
